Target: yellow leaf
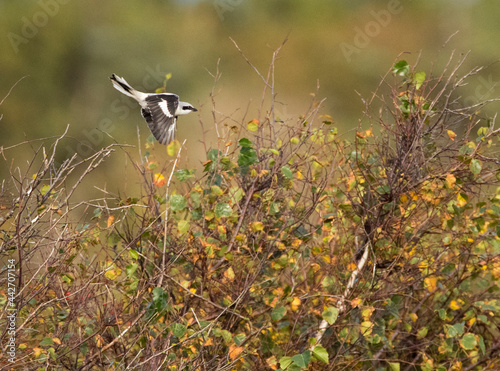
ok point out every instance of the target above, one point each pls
(451, 134)
(352, 267)
(37, 352)
(99, 341)
(295, 304)
(413, 317)
(173, 148)
(229, 274)
(159, 180)
(23, 346)
(257, 226)
(253, 125)
(430, 283)
(221, 229)
(234, 351)
(461, 201)
(367, 313)
(450, 180)
(403, 199)
(57, 341)
(454, 305)
(299, 175)
(113, 272)
(366, 328)
(111, 219)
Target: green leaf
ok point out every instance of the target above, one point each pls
(178, 329)
(247, 156)
(183, 226)
(442, 314)
(475, 167)
(227, 336)
(455, 330)
(244, 142)
(46, 341)
(97, 213)
(285, 362)
(401, 68)
(223, 210)
(160, 298)
(184, 174)
(330, 315)
(394, 366)
(213, 154)
(287, 172)
(236, 194)
(239, 339)
(133, 254)
(467, 149)
(302, 360)
(468, 341)
(419, 79)
(274, 208)
(131, 268)
(320, 354)
(422, 332)
(278, 313)
(481, 344)
(177, 202)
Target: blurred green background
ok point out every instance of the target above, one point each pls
(69, 48)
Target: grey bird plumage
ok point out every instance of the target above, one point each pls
(159, 110)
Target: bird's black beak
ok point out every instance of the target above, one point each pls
(194, 109)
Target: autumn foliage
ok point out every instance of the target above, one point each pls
(292, 247)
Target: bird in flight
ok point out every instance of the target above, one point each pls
(159, 110)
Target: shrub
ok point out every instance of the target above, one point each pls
(295, 248)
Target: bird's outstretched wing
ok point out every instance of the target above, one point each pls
(160, 116)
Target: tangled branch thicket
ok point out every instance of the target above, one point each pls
(295, 248)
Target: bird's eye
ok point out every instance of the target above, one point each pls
(186, 107)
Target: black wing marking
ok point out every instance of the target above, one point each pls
(160, 116)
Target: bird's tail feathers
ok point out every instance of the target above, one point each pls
(124, 87)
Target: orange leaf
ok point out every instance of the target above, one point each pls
(111, 219)
(159, 180)
(272, 362)
(355, 302)
(234, 351)
(209, 342)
